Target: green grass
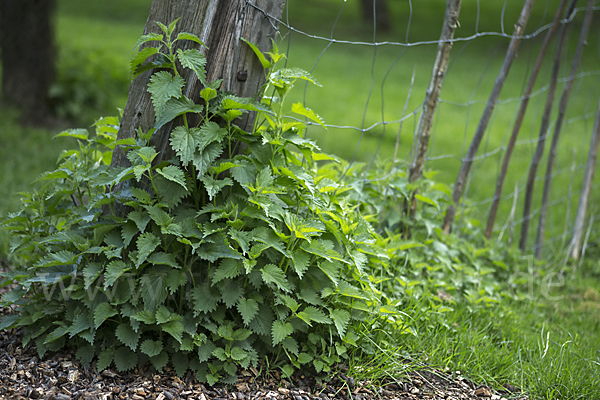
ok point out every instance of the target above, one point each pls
(503, 343)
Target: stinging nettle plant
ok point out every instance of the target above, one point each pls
(225, 254)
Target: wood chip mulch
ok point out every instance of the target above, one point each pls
(62, 377)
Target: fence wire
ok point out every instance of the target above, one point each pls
(374, 85)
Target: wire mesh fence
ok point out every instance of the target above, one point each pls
(518, 76)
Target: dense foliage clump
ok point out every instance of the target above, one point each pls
(223, 255)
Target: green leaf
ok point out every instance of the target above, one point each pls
(280, 331)
(159, 216)
(145, 316)
(159, 361)
(90, 273)
(248, 308)
(316, 315)
(174, 174)
(176, 279)
(160, 258)
(148, 38)
(204, 298)
(203, 160)
(228, 268)
(151, 347)
(231, 292)
(331, 269)
(301, 261)
(291, 345)
(102, 312)
(427, 200)
(238, 354)
(163, 315)
(81, 134)
(146, 244)
(340, 318)
(175, 107)
(194, 60)
(9, 321)
(208, 94)
(105, 359)
(189, 36)
(161, 61)
(214, 186)
(184, 141)
(180, 362)
(304, 358)
(298, 108)
(261, 57)
(174, 328)
(80, 324)
(125, 359)
(113, 271)
(127, 336)
(163, 86)
(154, 291)
(273, 274)
(62, 257)
(141, 219)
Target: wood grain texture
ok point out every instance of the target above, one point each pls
(219, 24)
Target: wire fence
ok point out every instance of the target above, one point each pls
(531, 85)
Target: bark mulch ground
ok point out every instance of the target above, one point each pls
(61, 377)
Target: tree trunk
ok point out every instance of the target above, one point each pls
(28, 56)
(219, 24)
(381, 15)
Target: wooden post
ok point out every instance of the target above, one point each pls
(539, 150)
(562, 109)
(517, 127)
(432, 96)
(220, 24)
(487, 113)
(586, 188)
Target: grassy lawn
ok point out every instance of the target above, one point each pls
(545, 337)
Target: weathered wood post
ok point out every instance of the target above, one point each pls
(220, 24)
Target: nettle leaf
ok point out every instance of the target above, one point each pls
(128, 232)
(214, 186)
(90, 273)
(311, 313)
(145, 316)
(261, 57)
(163, 315)
(184, 141)
(80, 324)
(324, 249)
(141, 219)
(301, 261)
(159, 216)
(175, 107)
(176, 279)
(170, 193)
(141, 195)
(160, 258)
(113, 271)
(291, 345)
(272, 274)
(175, 329)
(189, 36)
(151, 347)
(146, 244)
(154, 290)
(105, 358)
(228, 268)
(204, 298)
(280, 330)
(208, 94)
(163, 85)
(174, 174)
(211, 132)
(298, 108)
(150, 37)
(248, 309)
(331, 269)
(127, 335)
(102, 312)
(340, 318)
(180, 362)
(62, 257)
(159, 361)
(231, 293)
(204, 159)
(242, 238)
(194, 60)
